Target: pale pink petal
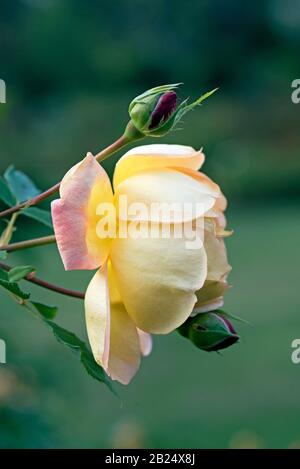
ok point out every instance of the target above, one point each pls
(74, 215)
(145, 342)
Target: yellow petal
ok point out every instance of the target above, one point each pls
(167, 196)
(157, 279)
(112, 334)
(217, 262)
(210, 294)
(125, 351)
(97, 316)
(156, 156)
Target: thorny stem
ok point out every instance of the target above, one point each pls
(101, 156)
(49, 286)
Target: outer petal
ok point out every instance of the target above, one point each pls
(97, 316)
(145, 342)
(112, 334)
(210, 296)
(182, 198)
(157, 280)
(115, 298)
(156, 156)
(125, 351)
(218, 266)
(74, 215)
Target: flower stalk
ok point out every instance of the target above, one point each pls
(31, 243)
(49, 286)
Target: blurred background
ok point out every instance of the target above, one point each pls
(71, 68)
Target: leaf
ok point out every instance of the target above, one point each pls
(48, 312)
(3, 255)
(5, 193)
(70, 340)
(22, 187)
(3, 275)
(43, 216)
(17, 273)
(14, 288)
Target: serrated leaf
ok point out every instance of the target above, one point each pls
(5, 194)
(38, 214)
(3, 255)
(94, 369)
(70, 340)
(14, 288)
(66, 337)
(48, 312)
(21, 186)
(17, 273)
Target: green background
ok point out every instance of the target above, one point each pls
(71, 68)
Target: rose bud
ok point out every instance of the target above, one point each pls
(156, 112)
(209, 331)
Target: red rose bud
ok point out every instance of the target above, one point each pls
(210, 331)
(155, 112)
(164, 108)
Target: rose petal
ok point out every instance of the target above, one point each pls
(112, 334)
(166, 195)
(125, 351)
(97, 316)
(157, 279)
(74, 215)
(156, 156)
(145, 342)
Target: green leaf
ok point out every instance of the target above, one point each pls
(3, 255)
(14, 288)
(17, 273)
(22, 187)
(71, 341)
(5, 193)
(43, 216)
(48, 312)
(3, 275)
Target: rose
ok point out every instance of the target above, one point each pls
(147, 284)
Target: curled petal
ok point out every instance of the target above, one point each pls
(166, 196)
(157, 279)
(156, 156)
(145, 342)
(112, 334)
(97, 316)
(125, 351)
(74, 215)
(217, 263)
(210, 296)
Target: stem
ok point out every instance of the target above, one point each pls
(31, 243)
(101, 156)
(49, 286)
(8, 232)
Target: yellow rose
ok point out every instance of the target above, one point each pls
(149, 283)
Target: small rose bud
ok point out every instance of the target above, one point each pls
(210, 331)
(156, 112)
